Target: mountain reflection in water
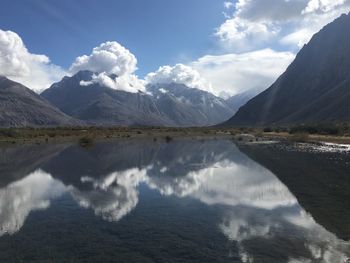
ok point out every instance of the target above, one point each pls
(260, 218)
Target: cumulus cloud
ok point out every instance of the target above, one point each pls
(311, 23)
(109, 57)
(236, 73)
(322, 5)
(228, 74)
(241, 34)
(128, 83)
(269, 10)
(252, 34)
(114, 66)
(255, 24)
(180, 74)
(17, 63)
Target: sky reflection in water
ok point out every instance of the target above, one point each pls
(258, 213)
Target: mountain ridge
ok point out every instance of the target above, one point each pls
(22, 107)
(315, 88)
(178, 106)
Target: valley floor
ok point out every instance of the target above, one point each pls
(86, 136)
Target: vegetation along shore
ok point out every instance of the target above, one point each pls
(339, 133)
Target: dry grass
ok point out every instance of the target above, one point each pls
(98, 133)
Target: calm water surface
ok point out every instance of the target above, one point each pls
(184, 201)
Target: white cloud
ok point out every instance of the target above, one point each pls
(128, 83)
(227, 74)
(110, 58)
(236, 73)
(17, 63)
(252, 24)
(311, 23)
(257, 24)
(252, 34)
(298, 38)
(228, 5)
(322, 5)
(243, 35)
(269, 10)
(180, 74)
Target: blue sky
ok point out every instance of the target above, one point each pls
(222, 46)
(158, 32)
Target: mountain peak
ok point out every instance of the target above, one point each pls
(85, 75)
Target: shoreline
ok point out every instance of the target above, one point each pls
(87, 135)
(311, 138)
(24, 136)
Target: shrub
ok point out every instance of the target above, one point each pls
(86, 141)
(323, 129)
(11, 133)
(299, 137)
(168, 138)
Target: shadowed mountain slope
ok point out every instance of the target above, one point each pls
(314, 89)
(20, 106)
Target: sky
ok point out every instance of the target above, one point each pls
(225, 47)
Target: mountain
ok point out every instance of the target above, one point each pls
(314, 89)
(99, 105)
(165, 105)
(20, 107)
(190, 106)
(237, 101)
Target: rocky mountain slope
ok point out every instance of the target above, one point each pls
(165, 105)
(189, 106)
(19, 107)
(314, 89)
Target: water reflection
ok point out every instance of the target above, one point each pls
(19, 198)
(113, 196)
(258, 212)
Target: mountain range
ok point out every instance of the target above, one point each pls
(162, 105)
(189, 106)
(314, 89)
(237, 101)
(68, 103)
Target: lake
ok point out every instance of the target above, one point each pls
(184, 201)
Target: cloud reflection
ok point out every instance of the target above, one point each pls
(112, 197)
(18, 199)
(257, 208)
